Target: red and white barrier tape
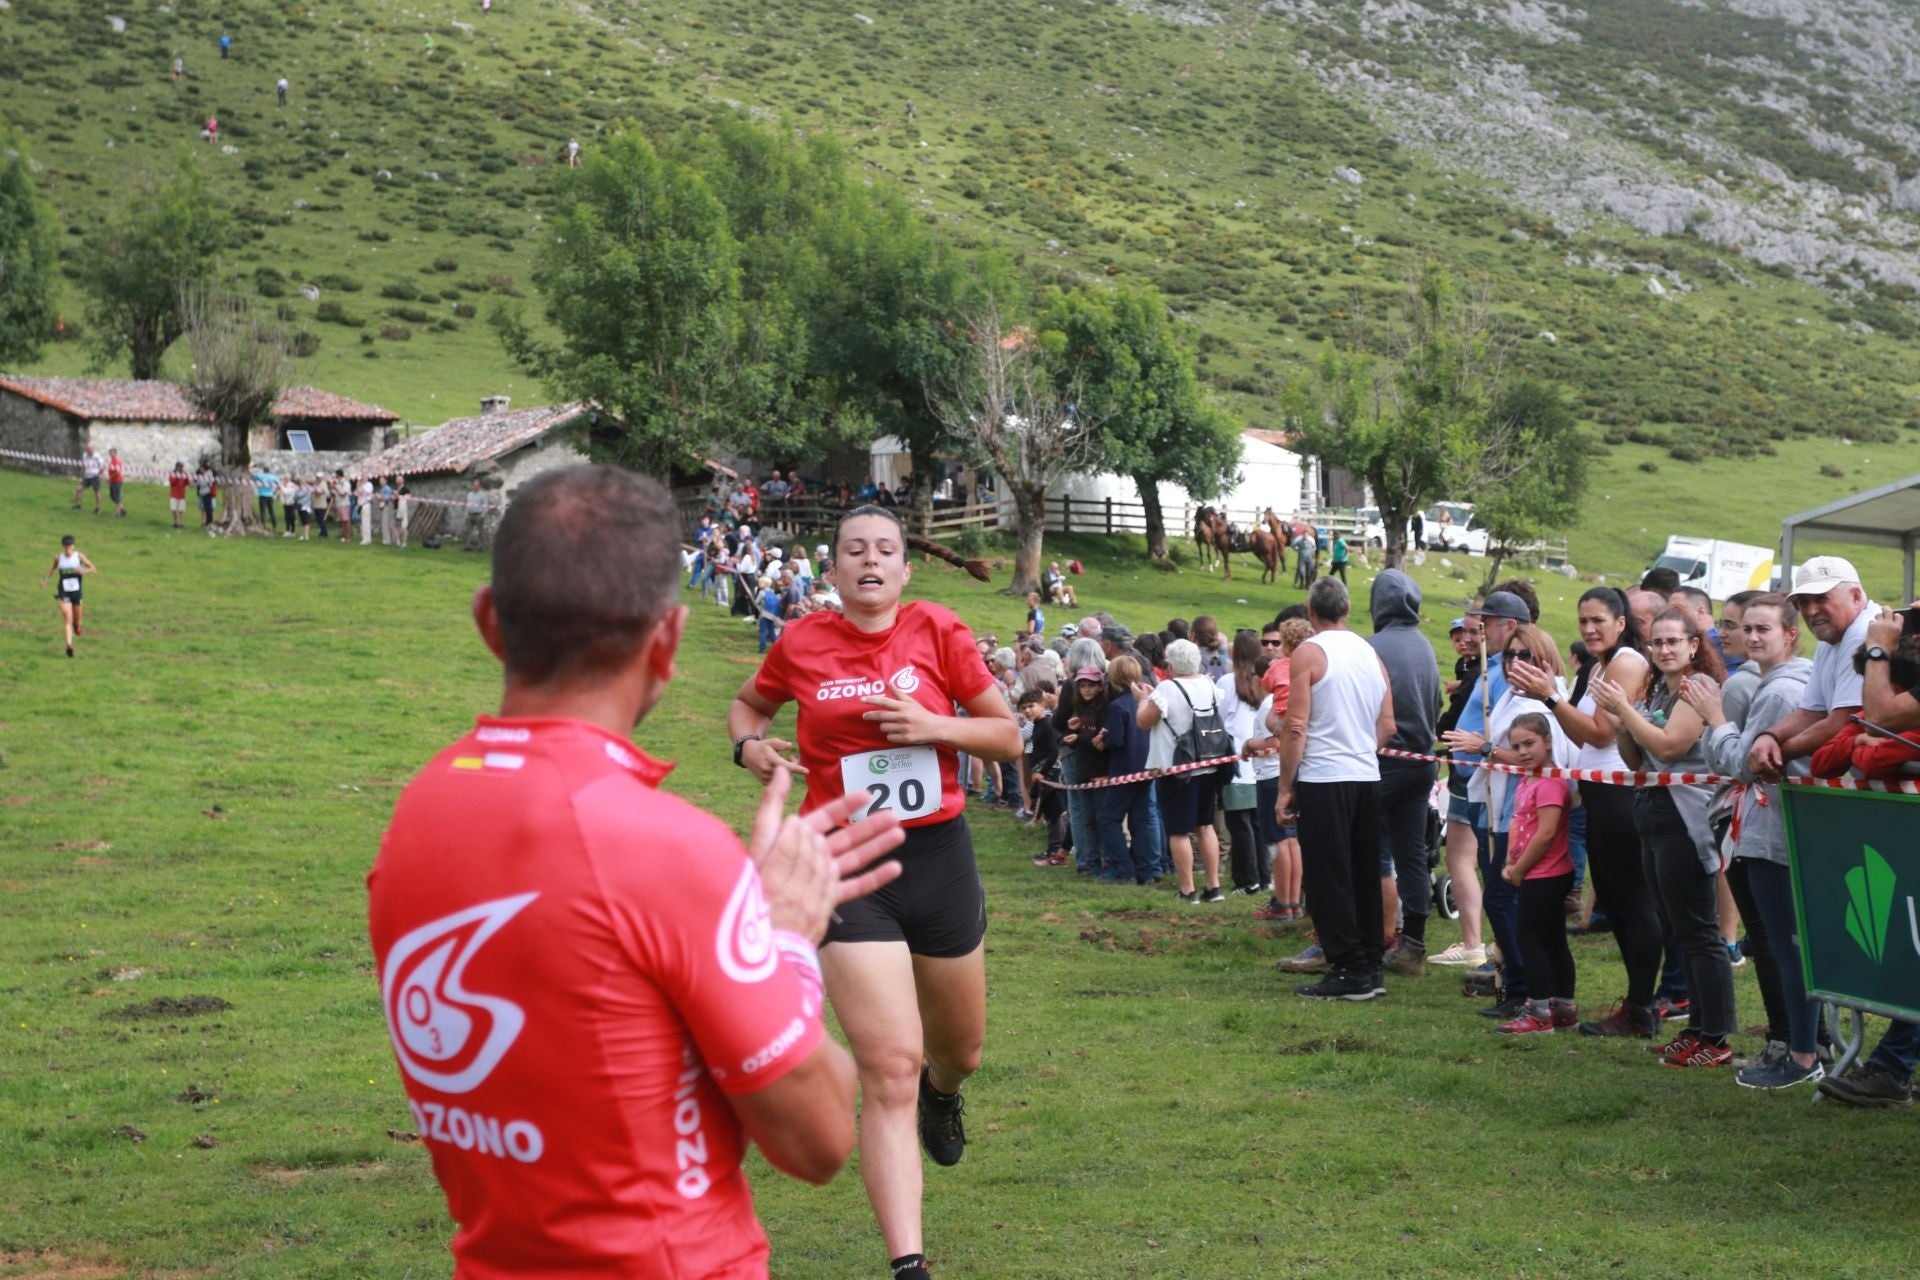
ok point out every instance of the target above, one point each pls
(159, 475)
(1642, 778)
(1143, 776)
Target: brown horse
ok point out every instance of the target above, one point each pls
(1210, 536)
(1280, 541)
(1265, 547)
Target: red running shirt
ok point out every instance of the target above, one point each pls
(825, 665)
(177, 484)
(575, 969)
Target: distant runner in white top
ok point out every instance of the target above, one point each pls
(1339, 715)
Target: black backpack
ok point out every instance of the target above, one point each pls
(1206, 737)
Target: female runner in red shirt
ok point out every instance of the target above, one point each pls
(875, 686)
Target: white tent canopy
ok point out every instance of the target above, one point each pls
(1888, 516)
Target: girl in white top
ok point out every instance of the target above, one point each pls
(1241, 703)
(290, 502)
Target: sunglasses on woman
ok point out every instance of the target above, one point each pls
(1519, 655)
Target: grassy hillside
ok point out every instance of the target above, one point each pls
(1094, 139)
(191, 805)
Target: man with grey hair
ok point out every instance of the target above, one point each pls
(1116, 641)
(1339, 715)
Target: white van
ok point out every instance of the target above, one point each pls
(1718, 568)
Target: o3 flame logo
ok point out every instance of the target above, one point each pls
(744, 941)
(448, 1037)
(905, 680)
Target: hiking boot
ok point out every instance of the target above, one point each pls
(1699, 1053)
(1678, 1044)
(1272, 911)
(942, 1132)
(1507, 1007)
(1632, 1021)
(1312, 960)
(1565, 1014)
(1339, 986)
(1783, 1073)
(1460, 956)
(1530, 1023)
(1870, 1085)
(1409, 959)
(1668, 1010)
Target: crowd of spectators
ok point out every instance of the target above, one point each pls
(1691, 880)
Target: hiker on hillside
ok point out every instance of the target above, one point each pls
(280, 90)
(226, 45)
(211, 130)
(90, 468)
(179, 68)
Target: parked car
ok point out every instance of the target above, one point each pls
(1457, 533)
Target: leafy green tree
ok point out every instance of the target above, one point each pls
(26, 259)
(163, 246)
(640, 277)
(1156, 423)
(1406, 409)
(1529, 474)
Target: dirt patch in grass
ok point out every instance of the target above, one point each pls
(1342, 1043)
(84, 846)
(54, 1266)
(168, 1007)
(1174, 935)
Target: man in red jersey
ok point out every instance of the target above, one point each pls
(595, 995)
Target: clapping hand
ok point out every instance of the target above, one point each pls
(1533, 681)
(1607, 695)
(1703, 695)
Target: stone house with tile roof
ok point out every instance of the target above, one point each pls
(155, 424)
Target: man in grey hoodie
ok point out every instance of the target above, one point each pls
(1405, 881)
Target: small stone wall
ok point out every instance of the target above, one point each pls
(28, 426)
(283, 461)
(155, 445)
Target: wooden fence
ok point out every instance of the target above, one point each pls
(1067, 514)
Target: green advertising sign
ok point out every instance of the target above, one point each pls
(1856, 883)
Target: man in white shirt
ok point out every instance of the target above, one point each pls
(1826, 590)
(1339, 715)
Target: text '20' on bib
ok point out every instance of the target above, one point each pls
(903, 779)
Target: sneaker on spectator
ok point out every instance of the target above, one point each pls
(1782, 1073)
(1869, 1085)
(1212, 895)
(1340, 986)
(1565, 1015)
(1774, 1052)
(1529, 1023)
(1736, 955)
(1667, 1010)
(1698, 1053)
(1504, 1008)
(1460, 955)
(1409, 959)
(1623, 1020)
(1311, 960)
(1272, 910)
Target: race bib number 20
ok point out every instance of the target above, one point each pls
(903, 779)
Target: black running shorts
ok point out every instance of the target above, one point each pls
(936, 907)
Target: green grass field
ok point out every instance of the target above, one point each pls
(188, 810)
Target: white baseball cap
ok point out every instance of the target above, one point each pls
(1822, 574)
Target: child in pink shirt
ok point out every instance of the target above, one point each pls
(1541, 867)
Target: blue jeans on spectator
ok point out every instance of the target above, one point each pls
(1082, 817)
(1135, 859)
(1770, 884)
(1898, 1050)
(768, 633)
(1500, 902)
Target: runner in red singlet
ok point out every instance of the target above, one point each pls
(596, 996)
(875, 688)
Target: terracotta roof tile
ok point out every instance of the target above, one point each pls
(457, 445)
(114, 400)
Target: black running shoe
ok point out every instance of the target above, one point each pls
(1339, 986)
(1213, 895)
(942, 1132)
(1506, 1009)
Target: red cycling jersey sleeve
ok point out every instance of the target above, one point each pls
(826, 667)
(575, 969)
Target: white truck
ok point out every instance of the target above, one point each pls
(1446, 526)
(1718, 568)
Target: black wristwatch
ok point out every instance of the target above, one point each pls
(1551, 701)
(1876, 654)
(738, 743)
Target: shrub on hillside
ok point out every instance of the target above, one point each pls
(396, 333)
(400, 291)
